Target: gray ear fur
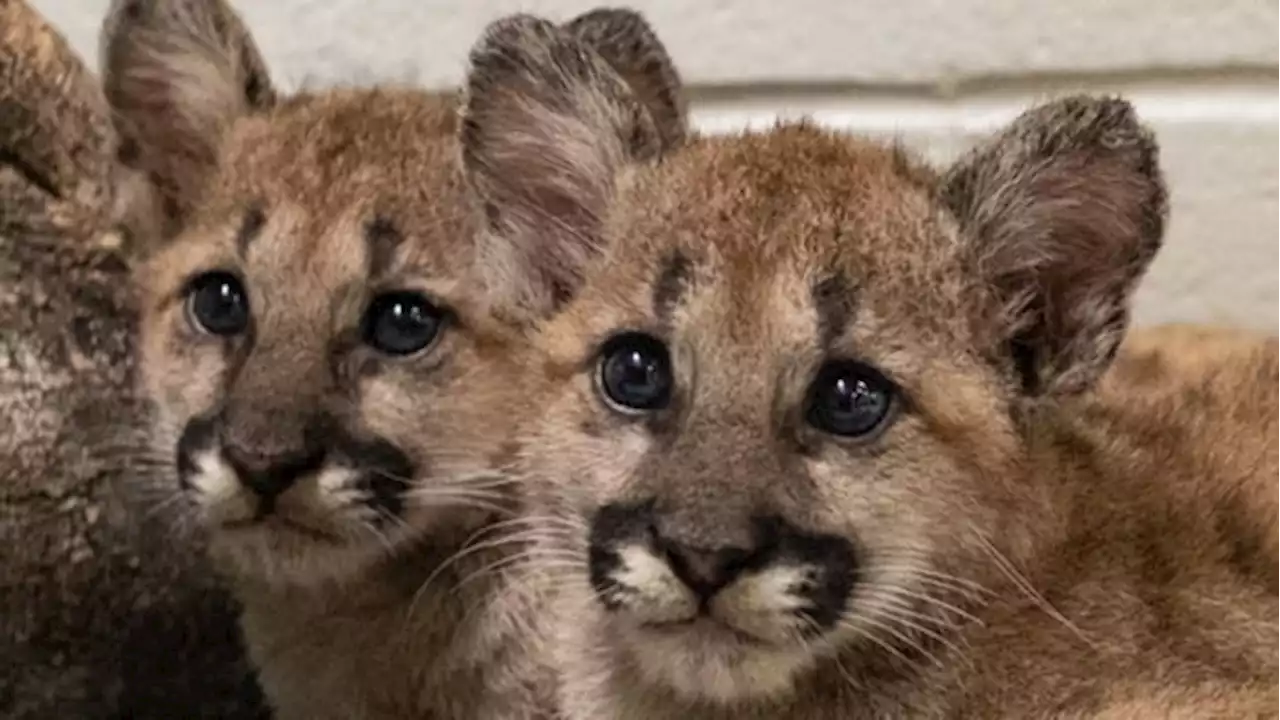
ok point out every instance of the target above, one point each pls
(177, 73)
(1064, 210)
(629, 44)
(547, 125)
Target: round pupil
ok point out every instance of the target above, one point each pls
(636, 373)
(401, 323)
(218, 304)
(849, 400)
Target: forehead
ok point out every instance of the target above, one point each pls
(761, 225)
(327, 177)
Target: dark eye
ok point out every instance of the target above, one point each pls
(217, 304)
(401, 323)
(849, 399)
(635, 372)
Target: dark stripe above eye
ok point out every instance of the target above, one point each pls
(255, 217)
(383, 237)
(834, 301)
(670, 286)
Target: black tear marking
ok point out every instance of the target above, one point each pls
(671, 284)
(833, 298)
(383, 238)
(255, 217)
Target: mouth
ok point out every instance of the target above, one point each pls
(276, 523)
(705, 628)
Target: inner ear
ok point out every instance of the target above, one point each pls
(1063, 212)
(547, 126)
(177, 73)
(625, 40)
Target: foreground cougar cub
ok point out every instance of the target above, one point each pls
(818, 437)
(332, 380)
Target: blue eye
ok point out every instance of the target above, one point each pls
(401, 323)
(849, 399)
(217, 304)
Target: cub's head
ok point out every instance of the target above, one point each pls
(781, 417)
(330, 373)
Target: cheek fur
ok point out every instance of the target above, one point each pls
(578, 455)
(181, 369)
(384, 406)
(610, 472)
(891, 499)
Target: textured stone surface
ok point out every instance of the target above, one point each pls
(101, 615)
(105, 610)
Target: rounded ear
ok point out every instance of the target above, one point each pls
(1064, 210)
(177, 73)
(57, 145)
(628, 43)
(547, 125)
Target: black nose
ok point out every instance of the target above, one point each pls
(270, 475)
(706, 571)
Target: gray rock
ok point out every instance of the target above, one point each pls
(106, 609)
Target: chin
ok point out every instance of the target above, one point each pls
(706, 660)
(279, 552)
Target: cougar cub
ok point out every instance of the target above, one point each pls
(333, 383)
(818, 435)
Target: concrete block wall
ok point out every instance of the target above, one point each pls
(937, 73)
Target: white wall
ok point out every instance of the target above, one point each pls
(936, 72)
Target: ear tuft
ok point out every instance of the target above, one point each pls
(178, 73)
(1064, 210)
(629, 44)
(546, 127)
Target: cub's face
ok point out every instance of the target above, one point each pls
(779, 410)
(323, 376)
(330, 358)
(767, 421)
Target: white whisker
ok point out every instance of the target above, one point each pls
(1022, 584)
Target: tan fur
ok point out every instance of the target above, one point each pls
(1021, 545)
(1183, 351)
(102, 613)
(355, 606)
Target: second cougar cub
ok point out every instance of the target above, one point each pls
(819, 437)
(332, 374)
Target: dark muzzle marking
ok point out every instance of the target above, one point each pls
(707, 570)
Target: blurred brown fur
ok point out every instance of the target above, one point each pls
(1186, 352)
